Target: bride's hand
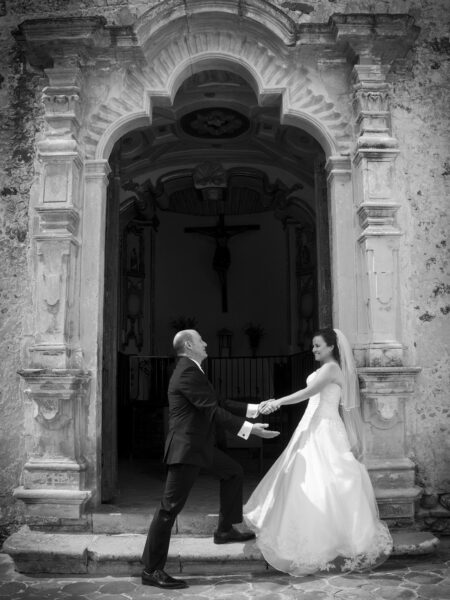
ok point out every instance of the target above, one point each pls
(268, 406)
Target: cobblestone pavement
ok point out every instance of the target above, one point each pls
(403, 578)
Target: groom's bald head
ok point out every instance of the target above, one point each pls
(180, 339)
(189, 343)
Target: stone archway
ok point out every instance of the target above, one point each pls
(103, 81)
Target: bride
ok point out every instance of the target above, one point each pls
(315, 509)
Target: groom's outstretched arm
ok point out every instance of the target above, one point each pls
(250, 411)
(194, 386)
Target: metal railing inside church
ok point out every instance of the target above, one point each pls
(143, 383)
(245, 378)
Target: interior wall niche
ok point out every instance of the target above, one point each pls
(133, 288)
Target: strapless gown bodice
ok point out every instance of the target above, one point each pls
(327, 402)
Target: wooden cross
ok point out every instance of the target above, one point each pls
(222, 257)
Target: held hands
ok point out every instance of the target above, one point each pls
(259, 429)
(268, 406)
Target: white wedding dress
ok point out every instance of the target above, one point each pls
(315, 508)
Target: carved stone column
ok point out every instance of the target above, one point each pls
(55, 234)
(379, 306)
(372, 43)
(56, 381)
(386, 384)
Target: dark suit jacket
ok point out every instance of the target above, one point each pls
(195, 410)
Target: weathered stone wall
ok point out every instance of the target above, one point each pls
(19, 122)
(420, 123)
(420, 113)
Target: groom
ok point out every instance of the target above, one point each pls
(195, 411)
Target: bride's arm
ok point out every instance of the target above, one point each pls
(328, 373)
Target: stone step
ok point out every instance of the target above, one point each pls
(39, 552)
(114, 520)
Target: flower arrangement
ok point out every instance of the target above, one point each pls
(182, 322)
(255, 333)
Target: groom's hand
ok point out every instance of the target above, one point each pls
(259, 429)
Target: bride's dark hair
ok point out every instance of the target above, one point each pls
(330, 338)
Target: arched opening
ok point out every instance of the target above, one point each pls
(217, 219)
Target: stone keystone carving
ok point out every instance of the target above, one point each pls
(210, 174)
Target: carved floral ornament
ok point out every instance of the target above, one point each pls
(371, 101)
(57, 103)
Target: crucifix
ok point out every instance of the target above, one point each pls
(222, 257)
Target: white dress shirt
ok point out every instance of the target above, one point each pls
(252, 411)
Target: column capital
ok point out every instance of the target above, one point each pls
(371, 109)
(338, 166)
(97, 169)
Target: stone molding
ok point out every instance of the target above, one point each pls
(260, 12)
(385, 36)
(58, 220)
(378, 220)
(78, 42)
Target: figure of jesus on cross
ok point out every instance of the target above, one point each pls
(222, 257)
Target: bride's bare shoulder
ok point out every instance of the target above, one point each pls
(332, 371)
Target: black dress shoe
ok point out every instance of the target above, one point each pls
(232, 535)
(161, 579)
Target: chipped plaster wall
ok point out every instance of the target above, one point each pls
(420, 123)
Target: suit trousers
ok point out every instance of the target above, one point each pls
(179, 481)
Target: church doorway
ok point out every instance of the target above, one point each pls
(217, 220)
